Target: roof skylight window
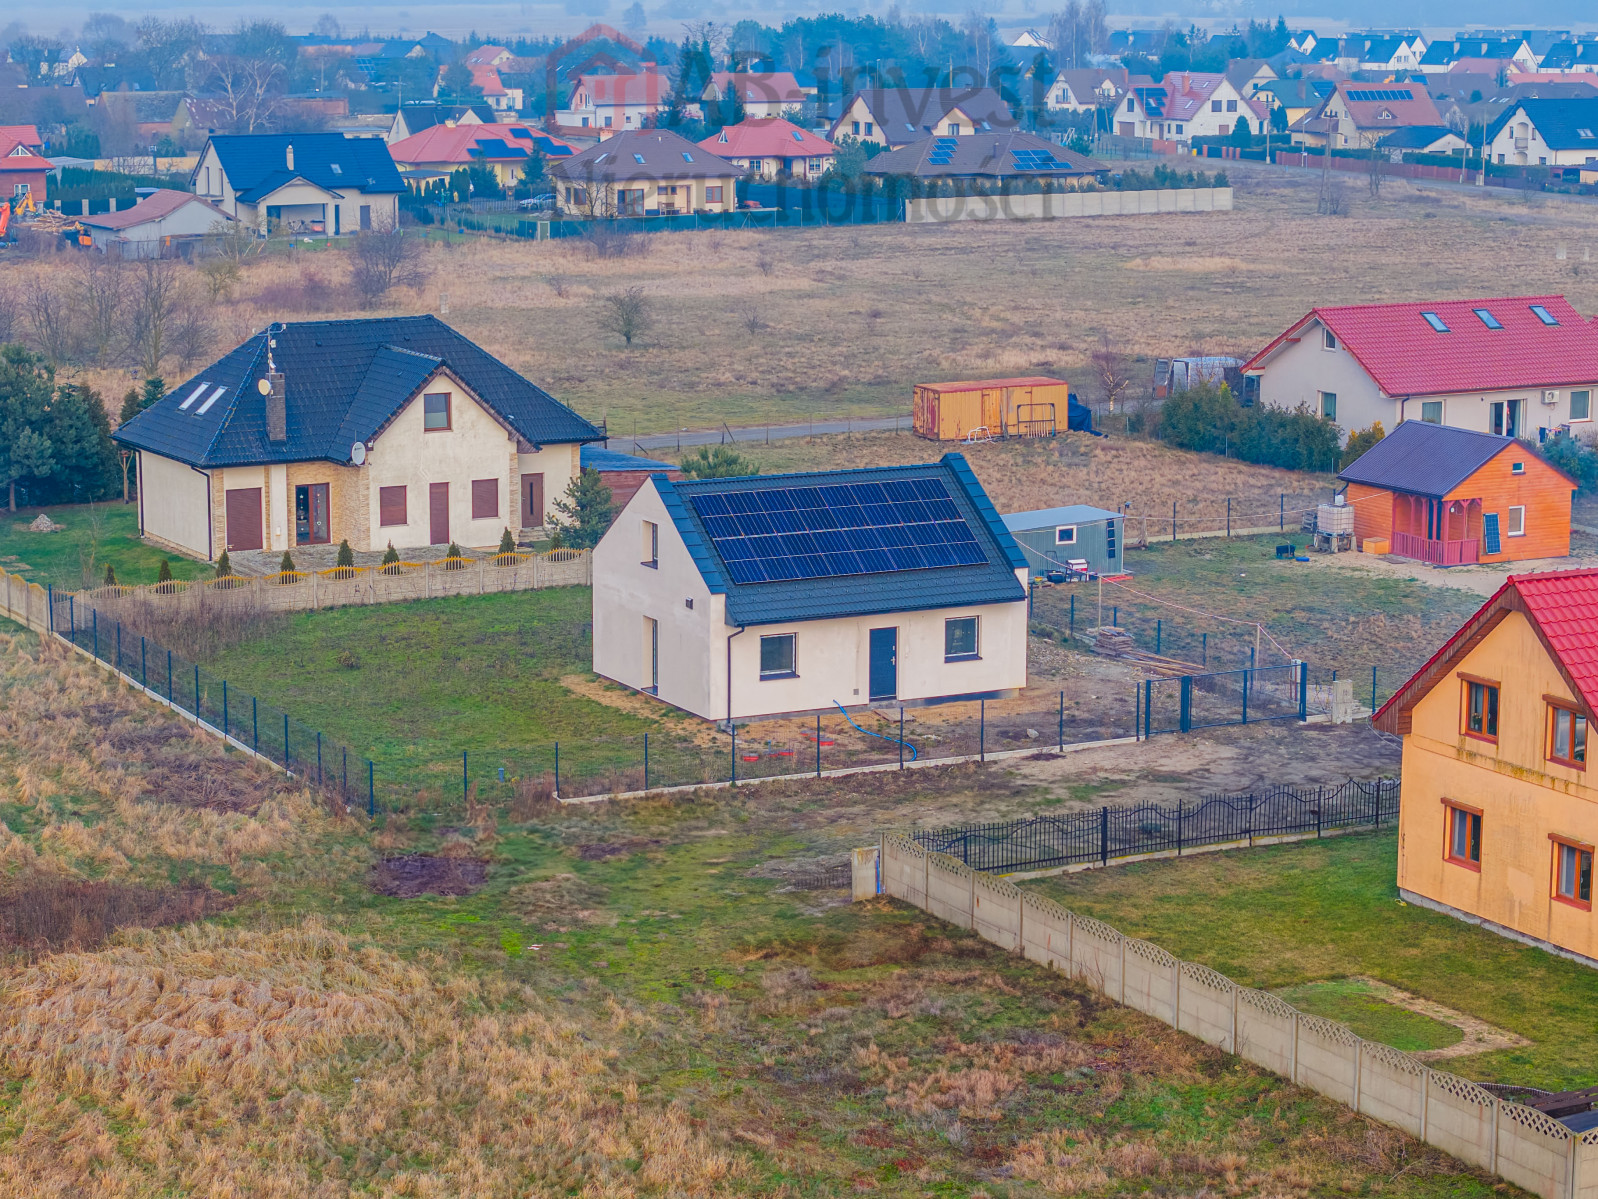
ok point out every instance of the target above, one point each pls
(1584, 132)
(193, 395)
(686, 157)
(335, 168)
(1435, 321)
(1488, 319)
(1542, 314)
(209, 400)
(797, 136)
(639, 159)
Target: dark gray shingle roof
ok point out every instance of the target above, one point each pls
(343, 381)
(1012, 155)
(1425, 459)
(990, 582)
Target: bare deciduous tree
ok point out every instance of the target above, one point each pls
(1111, 371)
(192, 329)
(100, 295)
(155, 297)
(10, 315)
(386, 257)
(49, 320)
(628, 314)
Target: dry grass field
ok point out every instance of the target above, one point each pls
(848, 318)
(605, 1001)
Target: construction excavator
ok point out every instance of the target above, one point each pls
(23, 206)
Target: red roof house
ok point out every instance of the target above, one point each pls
(1515, 366)
(617, 101)
(504, 149)
(24, 170)
(772, 146)
(762, 93)
(1358, 115)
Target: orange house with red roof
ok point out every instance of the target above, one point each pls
(1498, 817)
(1512, 366)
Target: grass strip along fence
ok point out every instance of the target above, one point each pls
(1110, 834)
(245, 721)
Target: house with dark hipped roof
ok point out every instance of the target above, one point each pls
(786, 594)
(323, 183)
(1559, 131)
(644, 172)
(1513, 366)
(392, 430)
(893, 116)
(1498, 815)
(1455, 496)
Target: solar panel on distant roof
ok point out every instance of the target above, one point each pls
(1386, 94)
(785, 533)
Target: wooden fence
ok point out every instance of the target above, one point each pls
(1518, 1143)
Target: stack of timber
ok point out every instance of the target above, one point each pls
(1114, 642)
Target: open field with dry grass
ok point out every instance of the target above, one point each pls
(612, 1001)
(850, 317)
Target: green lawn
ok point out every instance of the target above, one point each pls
(94, 535)
(1358, 1004)
(1289, 915)
(415, 685)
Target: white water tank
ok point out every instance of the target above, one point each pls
(1334, 518)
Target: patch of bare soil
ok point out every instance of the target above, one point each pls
(40, 914)
(171, 763)
(410, 875)
(1480, 1037)
(700, 732)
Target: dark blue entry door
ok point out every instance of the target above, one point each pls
(884, 664)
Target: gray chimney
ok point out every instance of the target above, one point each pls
(277, 423)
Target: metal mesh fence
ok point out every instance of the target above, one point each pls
(1106, 833)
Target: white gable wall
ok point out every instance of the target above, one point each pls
(174, 503)
(832, 657)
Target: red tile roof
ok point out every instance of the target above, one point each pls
(760, 86)
(487, 80)
(12, 136)
(152, 208)
(1407, 357)
(768, 137)
(1562, 606)
(454, 144)
(1415, 108)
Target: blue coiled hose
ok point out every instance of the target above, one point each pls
(869, 733)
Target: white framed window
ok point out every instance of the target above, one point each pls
(777, 657)
(1065, 535)
(1516, 522)
(1329, 404)
(1431, 411)
(960, 635)
(1328, 339)
(1581, 405)
(651, 541)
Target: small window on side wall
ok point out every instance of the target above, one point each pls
(1431, 412)
(1581, 405)
(651, 544)
(777, 657)
(435, 411)
(1567, 735)
(1329, 405)
(1462, 835)
(1481, 709)
(1515, 522)
(1328, 339)
(1065, 535)
(1572, 872)
(960, 639)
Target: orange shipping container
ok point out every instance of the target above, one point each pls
(1026, 407)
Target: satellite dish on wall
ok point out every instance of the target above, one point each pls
(358, 453)
(264, 387)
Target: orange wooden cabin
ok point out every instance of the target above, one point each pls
(1026, 407)
(1452, 497)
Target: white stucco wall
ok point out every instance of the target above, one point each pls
(476, 446)
(832, 657)
(173, 502)
(558, 465)
(1298, 373)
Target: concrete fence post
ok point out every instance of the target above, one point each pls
(1492, 1157)
(1292, 1075)
(1425, 1101)
(1232, 1046)
(1359, 1069)
(1122, 997)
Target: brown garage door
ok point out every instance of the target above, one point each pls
(244, 519)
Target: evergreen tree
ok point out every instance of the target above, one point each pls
(507, 543)
(346, 556)
(585, 512)
(287, 565)
(138, 399)
(224, 566)
(1241, 134)
(390, 555)
(110, 575)
(164, 575)
(717, 462)
(454, 551)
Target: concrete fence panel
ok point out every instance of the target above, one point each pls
(949, 885)
(865, 872)
(1208, 1007)
(1150, 980)
(996, 911)
(1096, 954)
(1392, 1087)
(1055, 205)
(1046, 932)
(1267, 1031)
(24, 602)
(1585, 1184)
(1534, 1151)
(1328, 1059)
(1459, 1118)
(904, 870)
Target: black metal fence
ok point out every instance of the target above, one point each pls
(1105, 834)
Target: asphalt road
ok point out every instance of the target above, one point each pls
(760, 433)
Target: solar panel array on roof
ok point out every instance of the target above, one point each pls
(943, 149)
(1387, 94)
(1038, 160)
(784, 533)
